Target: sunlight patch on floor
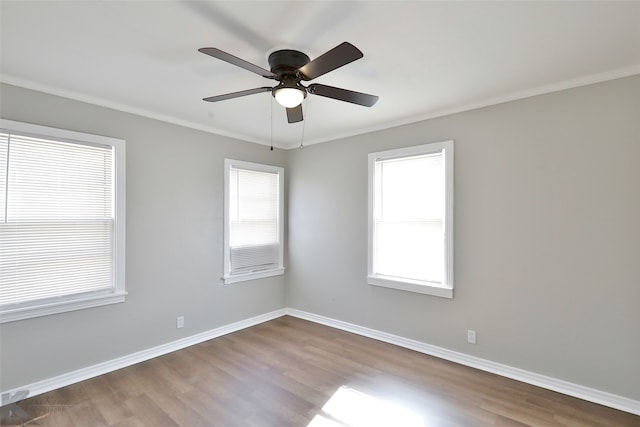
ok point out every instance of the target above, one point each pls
(351, 408)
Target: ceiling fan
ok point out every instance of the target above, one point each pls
(290, 68)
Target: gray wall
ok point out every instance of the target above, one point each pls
(547, 243)
(547, 235)
(173, 249)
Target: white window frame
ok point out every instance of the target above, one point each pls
(92, 299)
(228, 277)
(446, 290)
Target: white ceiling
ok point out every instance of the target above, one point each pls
(423, 59)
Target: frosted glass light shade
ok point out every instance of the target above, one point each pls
(289, 97)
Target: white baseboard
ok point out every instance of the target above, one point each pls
(564, 387)
(34, 389)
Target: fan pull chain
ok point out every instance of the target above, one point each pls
(304, 122)
(271, 121)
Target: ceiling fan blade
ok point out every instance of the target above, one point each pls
(294, 115)
(237, 94)
(234, 60)
(343, 94)
(335, 58)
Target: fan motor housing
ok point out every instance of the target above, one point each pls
(286, 62)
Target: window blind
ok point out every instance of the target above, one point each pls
(409, 217)
(254, 203)
(56, 219)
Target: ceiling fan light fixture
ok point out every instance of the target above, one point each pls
(289, 97)
(289, 68)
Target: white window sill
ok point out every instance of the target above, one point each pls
(61, 306)
(252, 276)
(411, 286)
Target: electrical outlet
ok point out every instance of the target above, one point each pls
(180, 322)
(471, 336)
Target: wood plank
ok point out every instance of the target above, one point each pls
(291, 372)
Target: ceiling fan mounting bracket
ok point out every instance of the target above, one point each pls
(286, 62)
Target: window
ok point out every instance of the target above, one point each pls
(411, 219)
(62, 220)
(253, 228)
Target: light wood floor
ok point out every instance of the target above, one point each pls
(290, 372)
